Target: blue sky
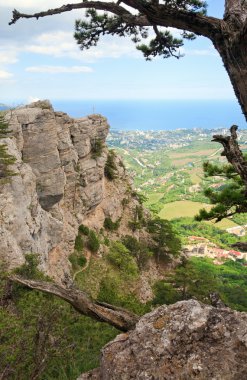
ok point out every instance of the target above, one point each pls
(40, 59)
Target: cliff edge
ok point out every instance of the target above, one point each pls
(60, 184)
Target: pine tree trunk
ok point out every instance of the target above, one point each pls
(234, 55)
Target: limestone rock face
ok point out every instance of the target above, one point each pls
(187, 340)
(58, 183)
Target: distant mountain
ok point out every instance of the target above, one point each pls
(4, 107)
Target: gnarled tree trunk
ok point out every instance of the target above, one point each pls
(115, 316)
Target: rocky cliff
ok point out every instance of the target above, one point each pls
(184, 341)
(59, 185)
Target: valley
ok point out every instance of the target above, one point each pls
(166, 167)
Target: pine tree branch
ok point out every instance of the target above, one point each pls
(98, 5)
(149, 14)
(115, 316)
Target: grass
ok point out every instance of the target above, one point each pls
(182, 162)
(224, 224)
(192, 153)
(181, 209)
(196, 175)
(153, 198)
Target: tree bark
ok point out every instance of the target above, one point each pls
(115, 316)
(233, 153)
(231, 44)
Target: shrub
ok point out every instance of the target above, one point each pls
(30, 268)
(81, 260)
(97, 148)
(93, 242)
(77, 260)
(164, 293)
(139, 250)
(84, 229)
(79, 243)
(121, 258)
(110, 292)
(110, 225)
(110, 166)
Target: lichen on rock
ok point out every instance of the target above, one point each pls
(186, 340)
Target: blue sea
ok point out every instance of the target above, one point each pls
(158, 114)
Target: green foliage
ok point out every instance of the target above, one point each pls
(30, 268)
(42, 335)
(110, 166)
(77, 260)
(185, 227)
(199, 277)
(6, 159)
(120, 257)
(111, 293)
(110, 225)
(240, 219)
(79, 245)
(139, 196)
(165, 293)
(229, 200)
(97, 148)
(93, 242)
(4, 127)
(88, 33)
(163, 44)
(139, 221)
(166, 239)
(138, 249)
(84, 230)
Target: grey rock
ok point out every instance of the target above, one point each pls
(57, 179)
(184, 341)
(59, 185)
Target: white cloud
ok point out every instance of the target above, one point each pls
(5, 74)
(59, 69)
(32, 99)
(8, 56)
(62, 44)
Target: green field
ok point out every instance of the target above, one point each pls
(224, 224)
(180, 209)
(154, 198)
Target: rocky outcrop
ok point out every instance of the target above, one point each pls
(59, 184)
(187, 340)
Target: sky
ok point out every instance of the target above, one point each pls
(41, 60)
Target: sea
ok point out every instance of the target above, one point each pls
(159, 114)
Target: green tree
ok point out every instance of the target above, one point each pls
(110, 166)
(138, 249)
(167, 242)
(230, 199)
(120, 257)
